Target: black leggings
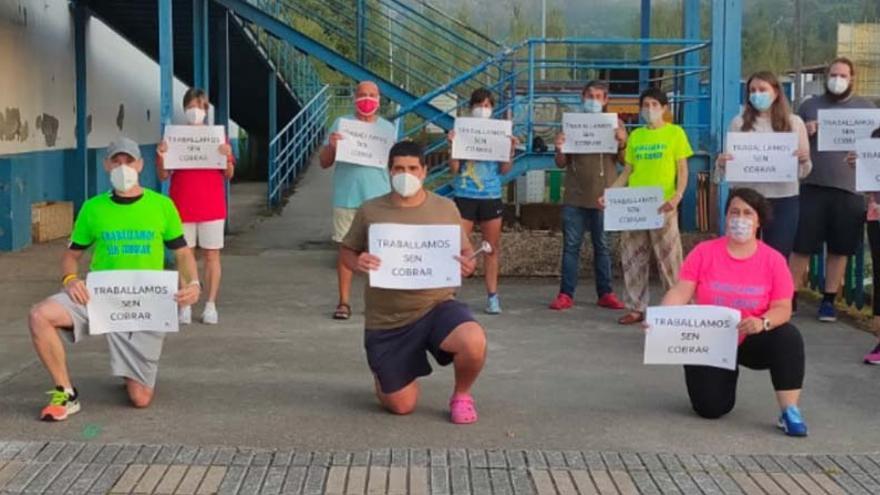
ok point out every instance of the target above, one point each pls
(781, 350)
(874, 242)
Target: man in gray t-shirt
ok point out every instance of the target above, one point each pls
(831, 212)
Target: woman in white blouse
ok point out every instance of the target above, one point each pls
(768, 110)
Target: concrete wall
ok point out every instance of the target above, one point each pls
(38, 109)
(37, 92)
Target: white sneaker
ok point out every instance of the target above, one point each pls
(185, 316)
(210, 316)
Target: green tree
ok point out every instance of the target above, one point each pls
(556, 28)
(766, 43)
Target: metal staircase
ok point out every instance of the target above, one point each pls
(427, 62)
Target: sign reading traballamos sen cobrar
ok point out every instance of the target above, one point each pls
(587, 133)
(194, 146)
(693, 334)
(839, 130)
(633, 208)
(868, 165)
(762, 157)
(363, 144)
(132, 301)
(482, 139)
(415, 256)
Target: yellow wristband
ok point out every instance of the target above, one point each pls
(68, 278)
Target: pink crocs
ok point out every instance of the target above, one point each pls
(462, 410)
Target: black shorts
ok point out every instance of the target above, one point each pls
(831, 216)
(480, 210)
(397, 356)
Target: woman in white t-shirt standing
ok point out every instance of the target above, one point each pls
(768, 110)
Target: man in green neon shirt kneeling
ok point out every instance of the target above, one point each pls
(128, 229)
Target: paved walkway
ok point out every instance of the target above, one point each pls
(278, 374)
(77, 468)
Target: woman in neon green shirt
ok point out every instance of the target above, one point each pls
(656, 155)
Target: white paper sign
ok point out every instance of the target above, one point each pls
(363, 143)
(701, 335)
(762, 157)
(868, 165)
(194, 146)
(587, 133)
(633, 208)
(415, 256)
(840, 129)
(482, 139)
(132, 301)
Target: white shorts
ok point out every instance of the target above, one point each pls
(206, 235)
(342, 219)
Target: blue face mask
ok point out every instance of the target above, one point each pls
(592, 106)
(761, 100)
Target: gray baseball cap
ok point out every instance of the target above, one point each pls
(125, 145)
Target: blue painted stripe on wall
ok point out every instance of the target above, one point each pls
(28, 178)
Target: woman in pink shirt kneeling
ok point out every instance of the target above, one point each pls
(200, 197)
(741, 272)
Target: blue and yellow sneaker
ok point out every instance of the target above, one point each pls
(61, 405)
(792, 423)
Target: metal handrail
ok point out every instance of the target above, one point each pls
(460, 105)
(294, 68)
(412, 30)
(522, 74)
(616, 41)
(510, 72)
(415, 15)
(290, 149)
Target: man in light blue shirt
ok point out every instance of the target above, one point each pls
(353, 184)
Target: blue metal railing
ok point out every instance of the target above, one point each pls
(535, 104)
(853, 287)
(410, 43)
(524, 67)
(293, 146)
(294, 68)
(413, 49)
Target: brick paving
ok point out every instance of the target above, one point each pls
(91, 468)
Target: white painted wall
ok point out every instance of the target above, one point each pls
(38, 77)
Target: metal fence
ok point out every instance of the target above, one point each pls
(857, 280)
(292, 147)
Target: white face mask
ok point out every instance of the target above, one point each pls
(407, 185)
(195, 115)
(481, 112)
(740, 228)
(837, 85)
(123, 178)
(652, 116)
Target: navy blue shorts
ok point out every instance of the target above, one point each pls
(397, 356)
